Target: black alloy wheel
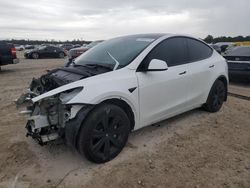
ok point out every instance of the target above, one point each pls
(35, 55)
(104, 133)
(216, 97)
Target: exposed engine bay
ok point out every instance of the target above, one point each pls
(47, 118)
(62, 76)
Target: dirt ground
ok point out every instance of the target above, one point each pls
(195, 149)
(241, 89)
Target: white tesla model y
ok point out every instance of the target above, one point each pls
(121, 85)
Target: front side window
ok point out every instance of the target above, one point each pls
(173, 51)
(198, 50)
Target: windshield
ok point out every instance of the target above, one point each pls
(119, 51)
(41, 47)
(92, 44)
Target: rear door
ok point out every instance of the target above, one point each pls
(54, 51)
(164, 93)
(200, 70)
(51, 51)
(48, 52)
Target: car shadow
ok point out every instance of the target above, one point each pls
(7, 71)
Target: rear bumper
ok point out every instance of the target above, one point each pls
(9, 62)
(239, 75)
(239, 70)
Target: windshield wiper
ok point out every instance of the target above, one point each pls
(116, 62)
(96, 65)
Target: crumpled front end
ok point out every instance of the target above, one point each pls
(46, 104)
(47, 118)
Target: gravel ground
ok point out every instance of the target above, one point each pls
(241, 89)
(195, 149)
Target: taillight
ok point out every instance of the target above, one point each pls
(13, 52)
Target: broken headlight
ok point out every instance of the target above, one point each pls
(49, 115)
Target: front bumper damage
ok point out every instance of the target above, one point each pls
(48, 118)
(48, 107)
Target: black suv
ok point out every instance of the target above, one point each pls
(7, 54)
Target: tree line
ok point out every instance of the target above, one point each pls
(211, 39)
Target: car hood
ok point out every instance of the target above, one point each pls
(62, 76)
(97, 87)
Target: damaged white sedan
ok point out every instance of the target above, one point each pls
(121, 85)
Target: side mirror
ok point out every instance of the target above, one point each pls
(157, 65)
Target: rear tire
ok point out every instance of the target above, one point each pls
(216, 97)
(104, 133)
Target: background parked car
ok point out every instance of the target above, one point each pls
(66, 47)
(216, 47)
(7, 54)
(19, 47)
(238, 60)
(29, 47)
(224, 46)
(45, 52)
(75, 52)
(76, 45)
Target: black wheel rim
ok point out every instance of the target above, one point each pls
(218, 96)
(35, 56)
(61, 55)
(108, 136)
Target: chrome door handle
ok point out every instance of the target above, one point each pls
(183, 73)
(211, 66)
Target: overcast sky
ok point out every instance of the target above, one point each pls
(102, 19)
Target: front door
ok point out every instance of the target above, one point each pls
(164, 93)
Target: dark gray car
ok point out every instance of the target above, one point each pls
(238, 60)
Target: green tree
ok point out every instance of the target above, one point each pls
(209, 39)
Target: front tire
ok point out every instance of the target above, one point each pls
(216, 97)
(35, 56)
(61, 55)
(104, 133)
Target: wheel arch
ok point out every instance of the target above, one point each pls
(225, 82)
(125, 106)
(73, 128)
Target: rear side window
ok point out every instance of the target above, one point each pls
(198, 50)
(173, 51)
